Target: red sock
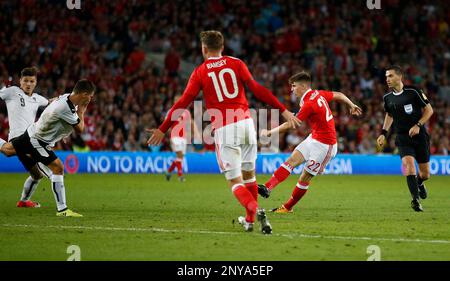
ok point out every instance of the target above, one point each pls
(252, 187)
(246, 199)
(172, 166)
(179, 167)
(300, 189)
(279, 175)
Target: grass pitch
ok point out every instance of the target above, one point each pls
(143, 217)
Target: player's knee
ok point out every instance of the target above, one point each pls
(409, 167)
(306, 176)
(57, 168)
(233, 174)
(36, 175)
(248, 169)
(424, 175)
(292, 161)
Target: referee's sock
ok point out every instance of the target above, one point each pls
(419, 181)
(59, 192)
(413, 186)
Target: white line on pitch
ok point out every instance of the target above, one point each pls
(289, 235)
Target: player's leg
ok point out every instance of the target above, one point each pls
(249, 155)
(24, 148)
(299, 191)
(59, 190)
(178, 145)
(424, 174)
(320, 155)
(298, 156)
(409, 167)
(29, 187)
(282, 173)
(179, 161)
(173, 165)
(249, 149)
(229, 158)
(423, 160)
(249, 179)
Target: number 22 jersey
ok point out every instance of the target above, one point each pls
(314, 110)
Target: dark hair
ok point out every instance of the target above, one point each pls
(84, 86)
(396, 68)
(301, 76)
(212, 39)
(29, 71)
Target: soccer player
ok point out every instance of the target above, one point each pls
(318, 148)
(222, 80)
(178, 141)
(408, 109)
(22, 106)
(58, 120)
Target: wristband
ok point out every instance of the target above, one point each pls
(384, 132)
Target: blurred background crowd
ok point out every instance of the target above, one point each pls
(140, 54)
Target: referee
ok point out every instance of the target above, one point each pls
(408, 109)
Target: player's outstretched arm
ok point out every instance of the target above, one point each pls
(353, 108)
(156, 136)
(192, 90)
(265, 95)
(280, 129)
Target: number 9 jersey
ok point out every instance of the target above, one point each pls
(22, 109)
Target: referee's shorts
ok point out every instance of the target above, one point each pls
(30, 151)
(417, 146)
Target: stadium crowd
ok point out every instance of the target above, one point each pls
(345, 46)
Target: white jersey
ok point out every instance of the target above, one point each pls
(22, 109)
(56, 122)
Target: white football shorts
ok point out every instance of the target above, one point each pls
(178, 144)
(236, 148)
(317, 155)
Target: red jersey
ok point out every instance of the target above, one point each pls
(314, 110)
(222, 81)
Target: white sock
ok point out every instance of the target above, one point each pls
(29, 187)
(59, 192)
(45, 170)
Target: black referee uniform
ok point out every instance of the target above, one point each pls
(405, 108)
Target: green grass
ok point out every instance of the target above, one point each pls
(143, 217)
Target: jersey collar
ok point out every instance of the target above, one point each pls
(397, 93)
(214, 58)
(304, 96)
(23, 92)
(71, 106)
